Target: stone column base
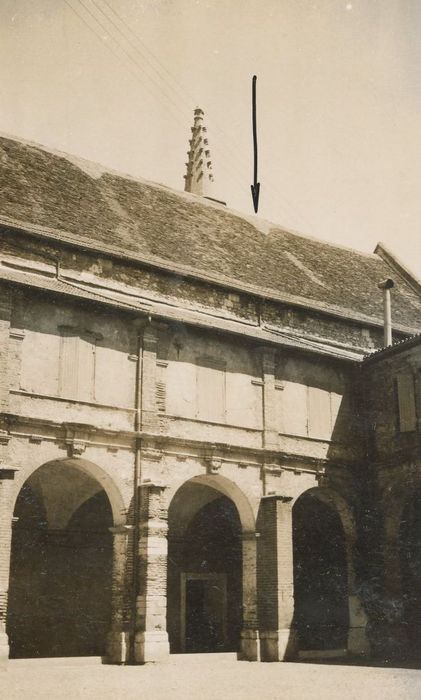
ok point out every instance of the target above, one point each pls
(358, 644)
(118, 647)
(4, 645)
(277, 645)
(250, 645)
(151, 646)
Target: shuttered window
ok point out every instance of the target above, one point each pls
(210, 388)
(319, 413)
(405, 387)
(77, 365)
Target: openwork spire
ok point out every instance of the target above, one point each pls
(199, 177)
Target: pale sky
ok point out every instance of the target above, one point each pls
(338, 91)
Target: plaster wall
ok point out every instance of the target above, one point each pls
(209, 386)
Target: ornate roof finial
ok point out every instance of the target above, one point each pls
(199, 177)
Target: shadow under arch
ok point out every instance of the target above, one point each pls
(221, 485)
(60, 590)
(329, 614)
(208, 517)
(89, 469)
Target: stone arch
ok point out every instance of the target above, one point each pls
(92, 471)
(356, 641)
(392, 505)
(61, 573)
(407, 523)
(333, 498)
(226, 487)
(220, 499)
(389, 629)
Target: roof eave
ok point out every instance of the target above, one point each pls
(66, 238)
(258, 334)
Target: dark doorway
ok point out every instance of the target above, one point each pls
(205, 613)
(205, 581)
(320, 576)
(60, 580)
(410, 556)
(197, 634)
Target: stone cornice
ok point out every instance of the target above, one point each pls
(154, 446)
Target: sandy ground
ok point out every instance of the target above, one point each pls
(192, 680)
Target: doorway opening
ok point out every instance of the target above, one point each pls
(204, 612)
(204, 572)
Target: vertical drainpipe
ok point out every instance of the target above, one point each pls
(386, 286)
(136, 482)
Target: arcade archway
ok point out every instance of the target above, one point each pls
(410, 560)
(207, 519)
(321, 592)
(61, 564)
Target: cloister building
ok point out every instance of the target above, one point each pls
(204, 446)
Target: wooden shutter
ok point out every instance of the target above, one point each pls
(86, 358)
(406, 402)
(319, 413)
(69, 346)
(210, 389)
(292, 409)
(77, 365)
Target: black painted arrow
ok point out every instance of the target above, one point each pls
(255, 187)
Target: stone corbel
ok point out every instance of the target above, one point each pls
(4, 437)
(275, 469)
(77, 436)
(152, 454)
(212, 462)
(322, 478)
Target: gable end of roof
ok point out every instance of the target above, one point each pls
(398, 266)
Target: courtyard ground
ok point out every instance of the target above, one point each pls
(67, 679)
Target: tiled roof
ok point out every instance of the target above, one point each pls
(397, 347)
(96, 207)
